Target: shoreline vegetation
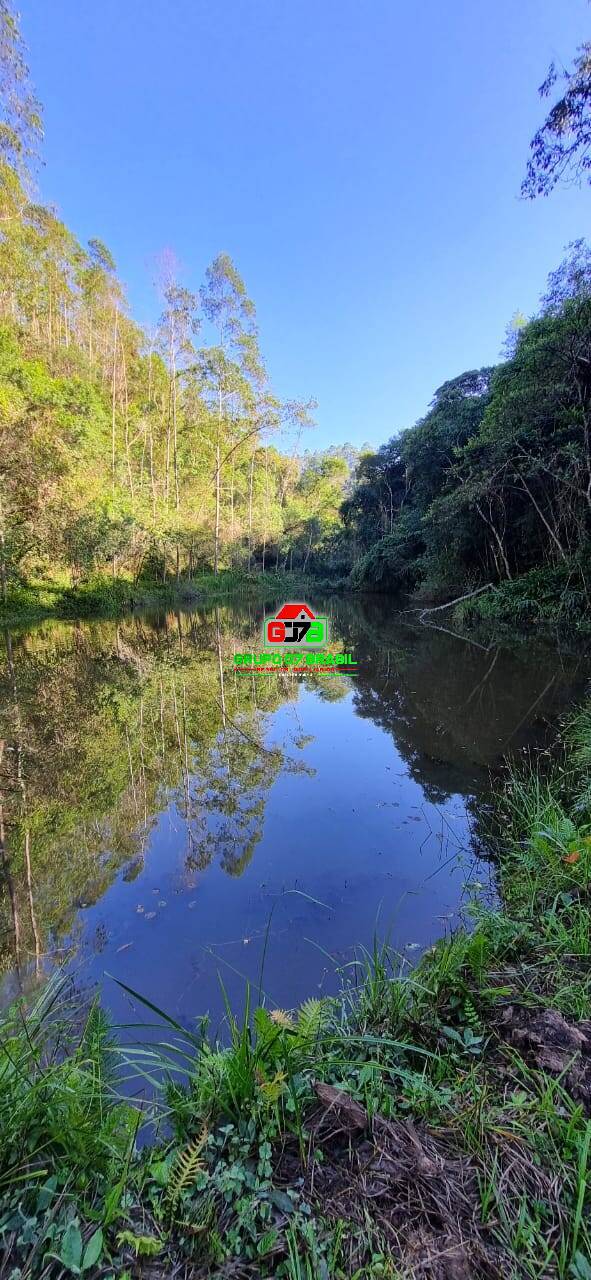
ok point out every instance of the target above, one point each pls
(101, 596)
(431, 1122)
(549, 602)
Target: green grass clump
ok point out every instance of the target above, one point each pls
(66, 1137)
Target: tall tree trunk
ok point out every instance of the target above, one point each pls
(545, 522)
(152, 477)
(308, 549)
(266, 506)
(218, 464)
(3, 575)
(497, 537)
(126, 420)
(113, 400)
(250, 484)
(167, 465)
(175, 456)
(232, 513)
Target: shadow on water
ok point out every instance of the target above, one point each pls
(165, 820)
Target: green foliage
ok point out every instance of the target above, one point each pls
(125, 463)
(143, 1246)
(539, 597)
(54, 1106)
(579, 739)
(560, 147)
(64, 1134)
(187, 1165)
(20, 113)
(393, 563)
(123, 453)
(492, 485)
(253, 1073)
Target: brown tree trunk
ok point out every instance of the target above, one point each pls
(545, 522)
(497, 537)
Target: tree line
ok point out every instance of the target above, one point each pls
(495, 481)
(150, 454)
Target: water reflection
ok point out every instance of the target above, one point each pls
(164, 819)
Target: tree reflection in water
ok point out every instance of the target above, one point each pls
(109, 728)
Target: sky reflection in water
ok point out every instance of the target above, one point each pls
(148, 836)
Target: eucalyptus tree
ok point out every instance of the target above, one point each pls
(232, 375)
(178, 325)
(117, 445)
(98, 288)
(21, 127)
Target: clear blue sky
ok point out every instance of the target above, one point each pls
(359, 159)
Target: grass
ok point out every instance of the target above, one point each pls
(432, 1124)
(109, 597)
(547, 598)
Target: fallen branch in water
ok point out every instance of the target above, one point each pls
(468, 596)
(486, 648)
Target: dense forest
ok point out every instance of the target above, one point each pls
(153, 456)
(493, 485)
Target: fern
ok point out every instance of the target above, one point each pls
(187, 1165)
(312, 1019)
(471, 1014)
(271, 1090)
(97, 1047)
(143, 1246)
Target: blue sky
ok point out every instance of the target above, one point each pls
(359, 159)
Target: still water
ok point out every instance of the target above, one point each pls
(169, 823)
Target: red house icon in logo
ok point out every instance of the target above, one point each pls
(292, 623)
(291, 612)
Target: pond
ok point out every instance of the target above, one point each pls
(184, 829)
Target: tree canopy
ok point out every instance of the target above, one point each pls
(561, 147)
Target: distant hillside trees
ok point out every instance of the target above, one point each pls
(148, 454)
